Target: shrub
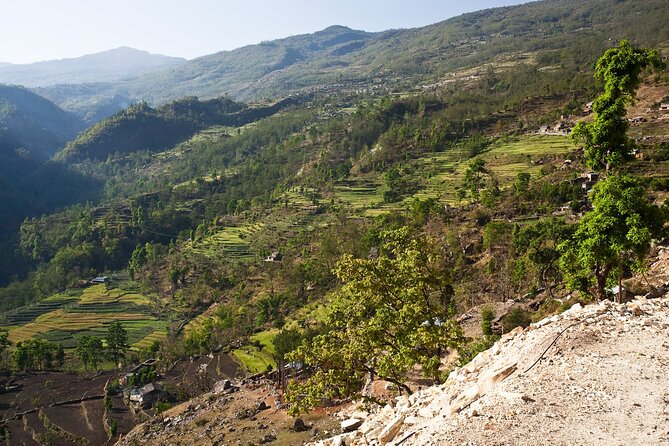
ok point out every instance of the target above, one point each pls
(517, 317)
(487, 316)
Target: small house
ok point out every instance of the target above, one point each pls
(664, 107)
(146, 396)
(274, 257)
(101, 279)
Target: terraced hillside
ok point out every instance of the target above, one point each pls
(63, 318)
(441, 173)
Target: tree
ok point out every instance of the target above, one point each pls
(117, 341)
(613, 236)
(33, 354)
(4, 341)
(60, 355)
(89, 351)
(605, 139)
(535, 245)
(473, 179)
(393, 312)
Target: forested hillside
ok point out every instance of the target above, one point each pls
(501, 165)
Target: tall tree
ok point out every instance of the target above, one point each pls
(613, 236)
(89, 350)
(605, 139)
(393, 312)
(117, 340)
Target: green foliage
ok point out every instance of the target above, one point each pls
(487, 316)
(145, 376)
(4, 341)
(517, 317)
(613, 236)
(89, 351)
(117, 341)
(393, 312)
(60, 355)
(113, 428)
(522, 184)
(474, 176)
(285, 342)
(141, 127)
(536, 249)
(33, 354)
(605, 139)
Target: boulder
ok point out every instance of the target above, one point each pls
(300, 426)
(464, 399)
(351, 424)
(391, 430)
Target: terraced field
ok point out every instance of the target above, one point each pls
(505, 160)
(63, 318)
(232, 242)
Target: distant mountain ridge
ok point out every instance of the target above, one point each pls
(32, 129)
(337, 57)
(34, 123)
(107, 66)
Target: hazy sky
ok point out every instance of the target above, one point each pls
(33, 30)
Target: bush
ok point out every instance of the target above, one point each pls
(517, 317)
(487, 316)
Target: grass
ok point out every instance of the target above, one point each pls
(147, 341)
(254, 360)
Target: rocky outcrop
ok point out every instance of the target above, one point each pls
(593, 375)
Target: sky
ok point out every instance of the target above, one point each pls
(35, 30)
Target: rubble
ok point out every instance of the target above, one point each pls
(601, 382)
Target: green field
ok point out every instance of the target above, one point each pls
(257, 360)
(65, 317)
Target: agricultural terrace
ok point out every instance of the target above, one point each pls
(65, 317)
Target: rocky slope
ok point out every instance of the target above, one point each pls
(594, 375)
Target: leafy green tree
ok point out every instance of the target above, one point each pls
(474, 176)
(117, 341)
(33, 354)
(605, 139)
(60, 355)
(392, 313)
(522, 184)
(4, 340)
(487, 316)
(535, 245)
(285, 342)
(89, 351)
(615, 235)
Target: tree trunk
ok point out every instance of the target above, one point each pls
(602, 273)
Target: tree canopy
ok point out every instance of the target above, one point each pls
(393, 312)
(89, 351)
(617, 232)
(605, 139)
(117, 340)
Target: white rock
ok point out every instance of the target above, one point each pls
(351, 424)
(391, 430)
(464, 399)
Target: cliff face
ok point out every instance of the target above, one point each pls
(594, 375)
